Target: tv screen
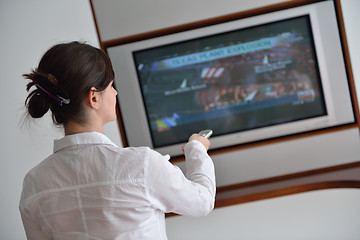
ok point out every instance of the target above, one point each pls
(249, 79)
(231, 81)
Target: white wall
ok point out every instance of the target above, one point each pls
(316, 215)
(351, 18)
(28, 29)
(117, 19)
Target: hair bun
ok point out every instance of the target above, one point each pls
(37, 102)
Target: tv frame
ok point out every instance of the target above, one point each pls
(228, 23)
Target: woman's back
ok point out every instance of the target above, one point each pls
(91, 189)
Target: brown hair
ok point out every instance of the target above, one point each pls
(68, 70)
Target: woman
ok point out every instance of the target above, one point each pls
(89, 188)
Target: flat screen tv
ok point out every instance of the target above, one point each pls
(251, 79)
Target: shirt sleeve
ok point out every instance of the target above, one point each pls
(32, 230)
(192, 194)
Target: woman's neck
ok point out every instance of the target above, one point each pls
(74, 128)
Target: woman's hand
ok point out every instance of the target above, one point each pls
(201, 139)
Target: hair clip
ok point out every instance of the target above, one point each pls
(58, 98)
(63, 100)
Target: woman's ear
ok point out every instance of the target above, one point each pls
(94, 98)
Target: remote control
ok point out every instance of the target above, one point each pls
(206, 133)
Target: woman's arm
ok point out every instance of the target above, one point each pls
(192, 194)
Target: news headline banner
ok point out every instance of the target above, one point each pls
(224, 52)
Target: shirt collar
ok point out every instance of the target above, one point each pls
(81, 138)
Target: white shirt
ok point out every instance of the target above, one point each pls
(92, 189)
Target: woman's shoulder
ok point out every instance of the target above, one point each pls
(143, 153)
(135, 150)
